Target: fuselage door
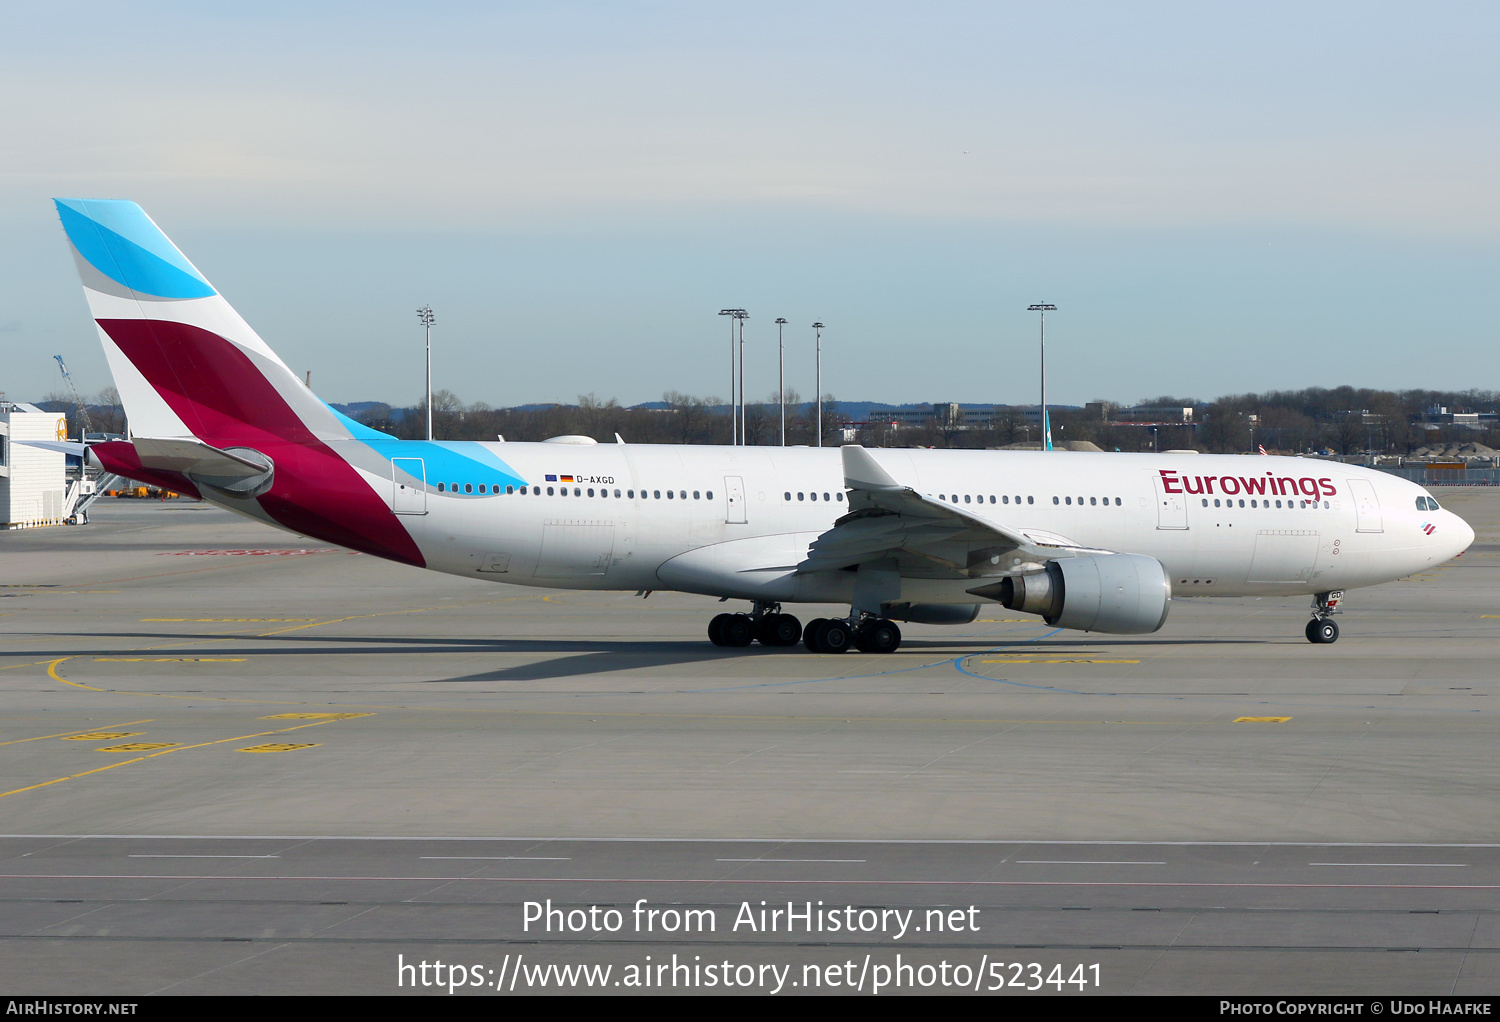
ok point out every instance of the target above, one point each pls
(1171, 508)
(734, 496)
(408, 486)
(1366, 506)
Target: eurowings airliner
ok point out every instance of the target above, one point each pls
(1094, 542)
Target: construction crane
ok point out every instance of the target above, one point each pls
(83, 412)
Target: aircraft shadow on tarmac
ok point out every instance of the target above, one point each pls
(581, 657)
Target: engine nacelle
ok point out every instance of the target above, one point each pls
(933, 613)
(1125, 594)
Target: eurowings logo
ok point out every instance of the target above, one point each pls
(1429, 528)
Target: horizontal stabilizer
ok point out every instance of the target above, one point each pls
(196, 458)
(73, 447)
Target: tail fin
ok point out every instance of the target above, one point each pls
(208, 400)
(185, 363)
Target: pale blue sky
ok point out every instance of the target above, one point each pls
(1219, 198)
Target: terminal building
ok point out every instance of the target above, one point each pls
(33, 481)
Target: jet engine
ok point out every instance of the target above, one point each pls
(1120, 593)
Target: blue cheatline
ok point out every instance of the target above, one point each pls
(443, 461)
(119, 240)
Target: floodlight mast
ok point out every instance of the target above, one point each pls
(818, 377)
(734, 420)
(1043, 424)
(781, 375)
(740, 315)
(426, 318)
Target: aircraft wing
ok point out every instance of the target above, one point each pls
(925, 537)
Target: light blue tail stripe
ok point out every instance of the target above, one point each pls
(121, 242)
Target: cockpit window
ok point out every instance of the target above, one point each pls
(1427, 504)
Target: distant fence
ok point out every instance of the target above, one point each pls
(1429, 476)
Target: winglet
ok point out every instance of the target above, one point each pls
(863, 472)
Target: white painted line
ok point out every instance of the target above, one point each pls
(503, 858)
(791, 860)
(135, 856)
(1087, 862)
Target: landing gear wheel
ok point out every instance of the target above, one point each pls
(716, 629)
(810, 634)
(1322, 631)
(738, 630)
(877, 637)
(833, 636)
(779, 630)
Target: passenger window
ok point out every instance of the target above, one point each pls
(788, 494)
(800, 496)
(839, 497)
(511, 489)
(1029, 500)
(669, 494)
(1056, 501)
(695, 495)
(591, 491)
(656, 494)
(442, 487)
(549, 491)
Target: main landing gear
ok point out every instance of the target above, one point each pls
(770, 627)
(1322, 629)
(766, 623)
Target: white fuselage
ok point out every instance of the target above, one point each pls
(739, 519)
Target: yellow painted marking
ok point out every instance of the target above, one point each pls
(136, 747)
(279, 747)
(169, 659)
(1261, 720)
(162, 752)
(52, 672)
(197, 620)
(64, 734)
(315, 716)
(101, 736)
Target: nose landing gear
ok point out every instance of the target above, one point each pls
(1322, 629)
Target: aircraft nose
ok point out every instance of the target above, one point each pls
(1465, 535)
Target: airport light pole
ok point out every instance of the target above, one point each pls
(1046, 434)
(426, 318)
(781, 375)
(740, 315)
(818, 378)
(734, 427)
